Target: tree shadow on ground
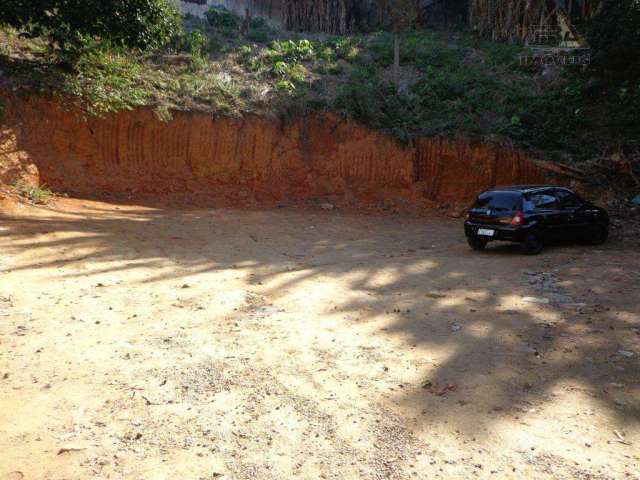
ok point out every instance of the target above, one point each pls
(408, 279)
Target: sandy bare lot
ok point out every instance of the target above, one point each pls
(142, 343)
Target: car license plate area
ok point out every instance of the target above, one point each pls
(486, 232)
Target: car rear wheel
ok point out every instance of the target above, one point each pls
(599, 235)
(476, 242)
(532, 243)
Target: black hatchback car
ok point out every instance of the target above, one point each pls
(533, 215)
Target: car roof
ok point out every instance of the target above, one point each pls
(522, 188)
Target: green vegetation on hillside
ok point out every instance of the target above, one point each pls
(450, 82)
(69, 25)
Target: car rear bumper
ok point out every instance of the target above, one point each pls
(507, 233)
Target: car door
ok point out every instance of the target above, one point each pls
(574, 213)
(548, 216)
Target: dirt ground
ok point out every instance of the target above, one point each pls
(148, 343)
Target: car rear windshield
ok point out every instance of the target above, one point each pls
(499, 201)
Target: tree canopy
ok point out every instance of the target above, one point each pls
(614, 34)
(133, 23)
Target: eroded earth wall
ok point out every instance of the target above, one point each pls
(253, 159)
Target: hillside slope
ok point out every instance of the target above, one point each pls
(316, 158)
(451, 84)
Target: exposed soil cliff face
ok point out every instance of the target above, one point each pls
(259, 159)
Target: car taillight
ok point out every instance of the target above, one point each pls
(518, 218)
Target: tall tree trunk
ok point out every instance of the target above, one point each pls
(513, 20)
(316, 15)
(396, 56)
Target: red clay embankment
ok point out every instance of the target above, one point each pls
(253, 159)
